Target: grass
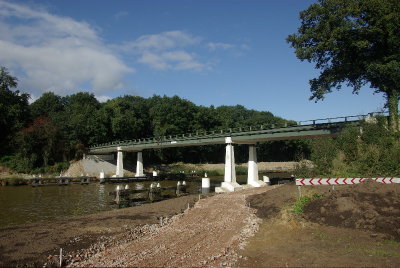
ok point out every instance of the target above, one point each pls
(322, 235)
(392, 242)
(302, 201)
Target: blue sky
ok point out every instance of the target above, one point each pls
(219, 52)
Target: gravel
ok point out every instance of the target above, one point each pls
(209, 234)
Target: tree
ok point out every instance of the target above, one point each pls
(126, 117)
(48, 104)
(39, 143)
(79, 123)
(13, 108)
(352, 42)
(172, 115)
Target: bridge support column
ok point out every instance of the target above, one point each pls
(229, 184)
(120, 163)
(139, 165)
(252, 171)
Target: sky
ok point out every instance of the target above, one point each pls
(211, 52)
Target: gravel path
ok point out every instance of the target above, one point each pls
(209, 234)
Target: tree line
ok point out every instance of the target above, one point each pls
(53, 130)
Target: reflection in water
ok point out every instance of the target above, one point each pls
(26, 204)
(139, 186)
(102, 196)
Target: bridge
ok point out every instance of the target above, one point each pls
(243, 135)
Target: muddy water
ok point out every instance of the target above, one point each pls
(27, 204)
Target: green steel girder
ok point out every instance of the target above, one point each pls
(244, 137)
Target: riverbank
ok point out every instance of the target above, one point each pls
(353, 225)
(32, 244)
(93, 167)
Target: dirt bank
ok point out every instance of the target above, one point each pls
(31, 244)
(352, 226)
(368, 206)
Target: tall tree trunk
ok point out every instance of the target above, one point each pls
(393, 105)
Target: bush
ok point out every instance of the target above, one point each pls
(369, 150)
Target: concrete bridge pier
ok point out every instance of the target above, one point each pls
(252, 168)
(139, 165)
(229, 184)
(120, 163)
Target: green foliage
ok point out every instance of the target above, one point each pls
(302, 201)
(18, 163)
(13, 110)
(125, 117)
(47, 105)
(213, 172)
(58, 129)
(241, 171)
(352, 42)
(371, 150)
(323, 151)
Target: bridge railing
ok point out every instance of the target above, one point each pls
(236, 130)
(198, 134)
(350, 118)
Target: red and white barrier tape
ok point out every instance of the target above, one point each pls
(387, 180)
(341, 181)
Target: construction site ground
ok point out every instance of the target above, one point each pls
(354, 226)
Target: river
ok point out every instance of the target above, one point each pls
(27, 204)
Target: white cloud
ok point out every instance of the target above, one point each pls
(153, 60)
(120, 15)
(173, 60)
(103, 98)
(215, 46)
(162, 41)
(165, 51)
(56, 53)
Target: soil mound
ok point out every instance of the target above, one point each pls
(369, 205)
(269, 204)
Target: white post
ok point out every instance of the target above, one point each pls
(229, 184)
(266, 180)
(230, 170)
(102, 177)
(120, 163)
(139, 165)
(252, 168)
(205, 185)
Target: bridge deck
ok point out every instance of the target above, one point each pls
(239, 136)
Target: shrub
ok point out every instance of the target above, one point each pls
(369, 150)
